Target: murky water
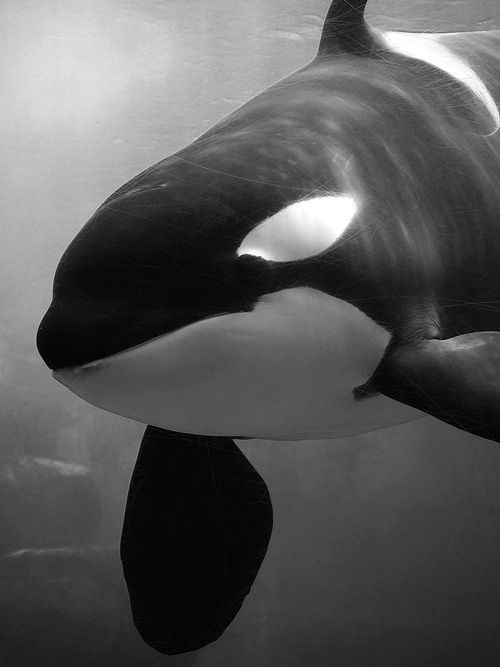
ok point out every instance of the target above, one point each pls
(386, 547)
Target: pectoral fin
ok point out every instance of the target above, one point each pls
(196, 529)
(456, 380)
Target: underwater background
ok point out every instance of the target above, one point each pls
(386, 546)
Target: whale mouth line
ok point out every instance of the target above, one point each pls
(86, 369)
(91, 367)
(305, 351)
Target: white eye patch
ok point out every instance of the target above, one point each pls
(301, 229)
(428, 49)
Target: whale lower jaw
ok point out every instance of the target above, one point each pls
(284, 371)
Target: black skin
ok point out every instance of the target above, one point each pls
(420, 258)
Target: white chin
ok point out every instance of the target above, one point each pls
(284, 371)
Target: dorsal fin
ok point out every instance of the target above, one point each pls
(345, 29)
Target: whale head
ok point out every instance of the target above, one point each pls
(245, 285)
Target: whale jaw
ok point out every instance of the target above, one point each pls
(284, 371)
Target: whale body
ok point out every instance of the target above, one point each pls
(320, 263)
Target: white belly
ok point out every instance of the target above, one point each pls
(284, 371)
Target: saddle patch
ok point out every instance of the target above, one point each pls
(427, 48)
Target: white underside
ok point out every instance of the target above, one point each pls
(284, 371)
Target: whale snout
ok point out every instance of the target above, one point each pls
(72, 338)
(137, 270)
(69, 337)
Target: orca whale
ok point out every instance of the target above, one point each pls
(322, 262)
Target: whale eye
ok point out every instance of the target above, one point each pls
(300, 230)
